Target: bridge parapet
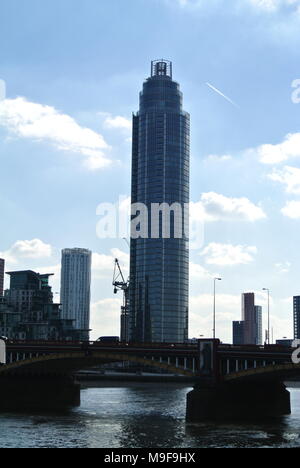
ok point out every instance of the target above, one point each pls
(68, 363)
(209, 359)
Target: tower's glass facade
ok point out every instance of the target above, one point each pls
(76, 288)
(2, 267)
(159, 269)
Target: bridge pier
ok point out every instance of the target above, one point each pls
(247, 400)
(27, 392)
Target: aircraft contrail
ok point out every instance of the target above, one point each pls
(223, 95)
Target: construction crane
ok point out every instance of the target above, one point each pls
(120, 284)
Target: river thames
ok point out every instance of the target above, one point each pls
(142, 416)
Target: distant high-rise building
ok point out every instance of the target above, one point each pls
(2, 268)
(76, 288)
(296, 317)
(159, 264)
(259, 326)
(238, 333)
(28, 292)
(249, 317)
(249, 330)
(27, 311)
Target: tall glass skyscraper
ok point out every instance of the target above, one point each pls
(2, 267)
(259, 325)
(159, 263)
(76, 288)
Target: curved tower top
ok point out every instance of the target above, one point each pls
(160, 92)
(161, 67)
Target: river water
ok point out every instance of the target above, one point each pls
(141, 416)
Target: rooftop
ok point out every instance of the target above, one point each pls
(161, 67)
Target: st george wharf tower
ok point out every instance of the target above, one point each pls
(159, 264)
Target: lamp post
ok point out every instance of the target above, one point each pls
(268, 291)
(214, 328)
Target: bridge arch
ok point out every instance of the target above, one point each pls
(279, 372)
(68, 363)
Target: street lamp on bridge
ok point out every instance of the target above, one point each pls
(268, 291)
(214, 328)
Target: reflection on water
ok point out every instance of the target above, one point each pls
(142, 415)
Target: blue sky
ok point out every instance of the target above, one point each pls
(73, 71)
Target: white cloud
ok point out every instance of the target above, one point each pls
(217, 207)
(292, 209)
(190, 3)
(289, 148)
(283, 267)
(227, 254)
(270, 154)
(30, 249)
(288, 176)
(268, 6)
(103, 265)
(198, 272)
(123, 257)
(118, 122)
(274, 5)
(44, 123)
